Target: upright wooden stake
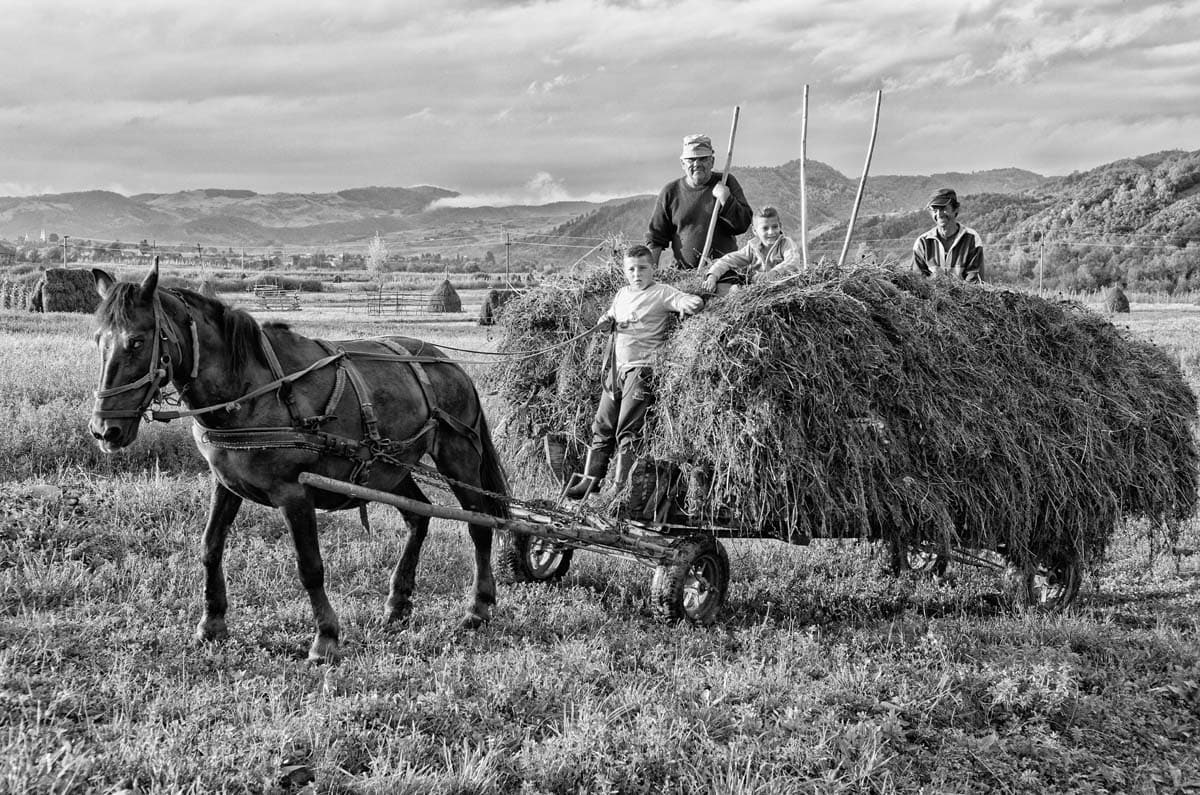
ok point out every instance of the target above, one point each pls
(803, 183)
(862, 182)
(712, 222)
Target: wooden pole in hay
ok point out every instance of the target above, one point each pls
(712, 222)
(803, 182)
(862, 183)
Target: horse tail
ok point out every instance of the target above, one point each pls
(491, 472)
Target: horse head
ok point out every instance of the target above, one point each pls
(134, 363)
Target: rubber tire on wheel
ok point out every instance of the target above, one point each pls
(525, 558)
(1046, 590)
(692, 588)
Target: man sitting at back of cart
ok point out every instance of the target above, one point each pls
(639, 319)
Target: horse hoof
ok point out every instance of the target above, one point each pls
(210, 630)
(323, 650)
(473, 620)
(400, 613)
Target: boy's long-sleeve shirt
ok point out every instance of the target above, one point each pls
(758, 257)
(962, 256)
(642, 320)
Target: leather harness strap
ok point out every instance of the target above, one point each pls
(304, 433)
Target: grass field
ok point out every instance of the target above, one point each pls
(824, 676)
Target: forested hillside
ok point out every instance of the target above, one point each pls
(1135, 221)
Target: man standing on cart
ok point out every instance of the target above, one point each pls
(685, 207)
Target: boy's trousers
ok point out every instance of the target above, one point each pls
(621, 415)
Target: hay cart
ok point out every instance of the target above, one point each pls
(652, 527)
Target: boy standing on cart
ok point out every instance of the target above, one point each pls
(639, 319)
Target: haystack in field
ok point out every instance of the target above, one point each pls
(68, 290)
(492, 301)
(878, 403)
(207, 288)
(1115, 300)
(444, 299)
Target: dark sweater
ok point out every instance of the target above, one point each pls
(681, 217)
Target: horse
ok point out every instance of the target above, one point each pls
(269, 404)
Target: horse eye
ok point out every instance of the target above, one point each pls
(135, 344)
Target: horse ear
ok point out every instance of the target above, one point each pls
(104, 282)
(150, 283)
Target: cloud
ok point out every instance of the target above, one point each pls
(476, 96)
(541, 188)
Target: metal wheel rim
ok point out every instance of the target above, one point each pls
(543, 557)
(700, 589)
(921, 560)
(1053, 589)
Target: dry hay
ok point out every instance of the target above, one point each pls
(68, 290)
(492, 301)
(555, 391)
(878, 403)
(207, 288)
(1115, 300)
(444, 298)
(33, 297)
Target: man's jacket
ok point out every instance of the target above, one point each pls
(963, 257)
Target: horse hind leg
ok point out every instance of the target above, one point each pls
(483, 587)
(398, 608)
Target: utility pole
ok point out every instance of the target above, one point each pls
(507, 247)
(65, 250)
(1041, 259)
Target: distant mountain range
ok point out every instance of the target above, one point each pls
(1155, 195)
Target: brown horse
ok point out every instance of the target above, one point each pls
(270, 404)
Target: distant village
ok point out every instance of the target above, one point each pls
(54, 250)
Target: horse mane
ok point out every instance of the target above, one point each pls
(240, 331)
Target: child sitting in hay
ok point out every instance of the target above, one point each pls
(769, 250)
(639, 319)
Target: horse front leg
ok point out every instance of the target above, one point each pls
(222, 510)
(301, 519)
(398, 608)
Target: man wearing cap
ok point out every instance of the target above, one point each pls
(950, 247)
(685, 206)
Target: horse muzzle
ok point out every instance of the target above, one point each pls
(112, 435)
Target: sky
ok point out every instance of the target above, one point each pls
(513, 102)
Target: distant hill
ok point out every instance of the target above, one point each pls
(223, 217)
(1136, 219)
(830, 197)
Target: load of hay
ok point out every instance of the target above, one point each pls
(877, 403)
(492, 301)
(444, 299)
(1115, 300)
(68, 290)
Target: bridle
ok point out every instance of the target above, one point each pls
(161, 370)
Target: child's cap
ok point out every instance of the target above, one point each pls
(697, 146)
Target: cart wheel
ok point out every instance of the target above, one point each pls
(693, 586)
(1050, 590)
(525, 558)
(926, 563)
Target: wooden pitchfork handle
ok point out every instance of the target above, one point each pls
(712, 222)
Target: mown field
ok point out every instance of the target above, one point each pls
(824, 676)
